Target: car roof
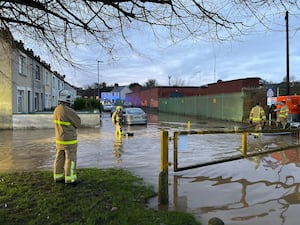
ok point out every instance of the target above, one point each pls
(134, 109)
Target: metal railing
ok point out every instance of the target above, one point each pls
(164, 136)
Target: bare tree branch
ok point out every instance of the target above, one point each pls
(59, 24)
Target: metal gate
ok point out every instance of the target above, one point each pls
(244, 143)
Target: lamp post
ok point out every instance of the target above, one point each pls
(98, 61)
(169, 77)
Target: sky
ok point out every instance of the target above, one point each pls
(189, 63)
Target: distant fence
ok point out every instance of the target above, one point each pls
(232, 106)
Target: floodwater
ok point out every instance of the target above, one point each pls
(259, 190)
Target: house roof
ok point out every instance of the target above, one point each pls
(118, 88)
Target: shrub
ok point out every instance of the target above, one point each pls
(79, 104)
(87, 104)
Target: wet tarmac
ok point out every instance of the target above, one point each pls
(259, 190)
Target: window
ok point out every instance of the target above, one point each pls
(46, 77)
(36, 102)
(22, 64)
(47, 100)
(20, 101)
(37, 73)
(53, 83)
(29, 101)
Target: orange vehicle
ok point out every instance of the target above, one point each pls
(293, 103)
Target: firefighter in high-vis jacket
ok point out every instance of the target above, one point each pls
(118, 120)
(258, 117)
(283, 115)
(66, 122)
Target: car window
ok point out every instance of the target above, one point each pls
(134, 111)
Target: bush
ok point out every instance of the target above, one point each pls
(87, 104)
(79, 104)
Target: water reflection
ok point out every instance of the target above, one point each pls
(25, 150)
(288, 156)
(243, 208)
(268, 195)
(117, 149)
(6, 148)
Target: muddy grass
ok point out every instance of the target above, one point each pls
(110, 196)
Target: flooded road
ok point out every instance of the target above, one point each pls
(258, 190)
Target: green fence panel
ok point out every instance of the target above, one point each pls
(221, 106)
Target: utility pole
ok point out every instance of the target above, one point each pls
(98, 61)
(287, 55)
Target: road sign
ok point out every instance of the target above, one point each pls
(270, 92)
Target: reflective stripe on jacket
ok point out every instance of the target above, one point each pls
(66, 121)
(62, 122)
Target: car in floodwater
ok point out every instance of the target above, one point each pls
(135, 116)
(107, 107)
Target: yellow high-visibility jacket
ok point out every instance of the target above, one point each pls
(66, 122)
(284, 111)
(257, 114)
(117, 118)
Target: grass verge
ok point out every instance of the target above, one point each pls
(108, 196)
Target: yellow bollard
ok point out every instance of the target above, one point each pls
(163, 188)
(244, 143)
(164, 148)
(189, 124)
(175, 152)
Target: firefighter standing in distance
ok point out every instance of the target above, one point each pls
(283, 115)
(66, 122)
(118, 120)
(258, 117)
